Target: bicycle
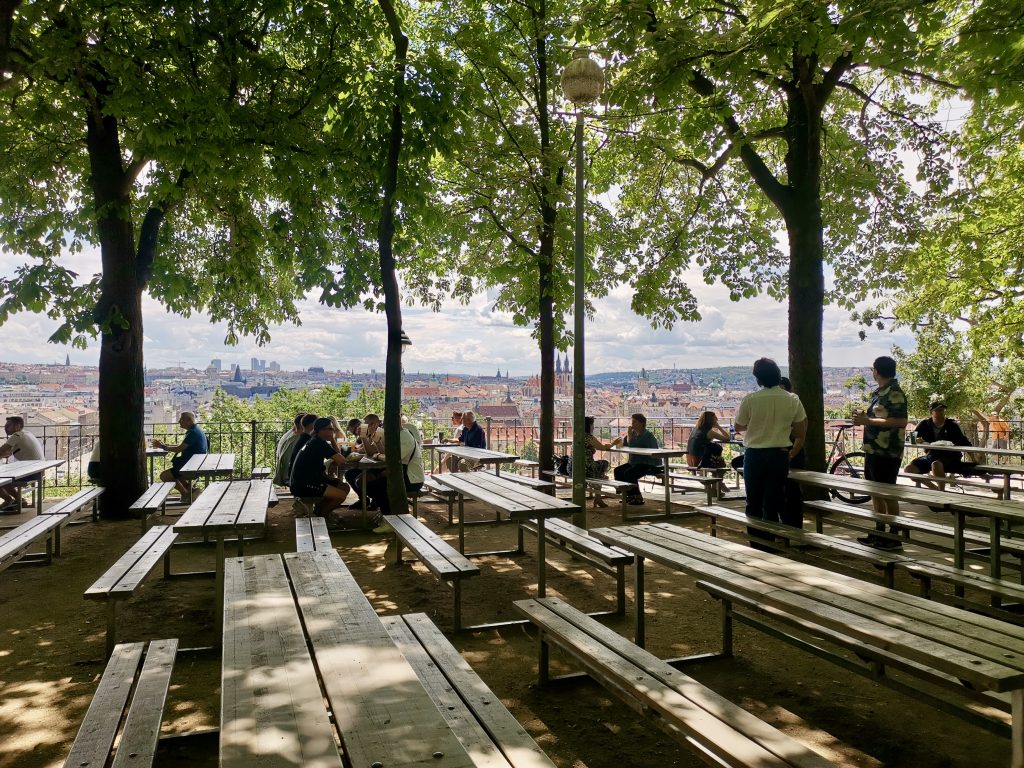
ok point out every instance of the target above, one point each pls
(846, 464)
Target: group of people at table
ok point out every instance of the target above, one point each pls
(774, 425)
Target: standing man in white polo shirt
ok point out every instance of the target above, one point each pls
(770, 417)
(20, 446)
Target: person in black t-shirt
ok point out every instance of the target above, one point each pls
(309, 477)
(939, 461)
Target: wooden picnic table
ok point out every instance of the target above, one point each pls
(516, 500)
(227, 509)
(1007, 471)
(299, 621)
(665, 454)
(974, 655)
(152, 453)
(961, 505)
(24, 472)
(364, 464)
(480, 455)
(208, 465)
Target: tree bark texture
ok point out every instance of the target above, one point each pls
(119, 314)
(397, 496)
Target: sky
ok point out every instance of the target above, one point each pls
(469, 339)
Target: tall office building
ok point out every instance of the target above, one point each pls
(215, 364)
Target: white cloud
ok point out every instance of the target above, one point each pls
(472, 338)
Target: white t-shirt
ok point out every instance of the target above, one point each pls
(25, 445)
(412, 455)
(769, 415)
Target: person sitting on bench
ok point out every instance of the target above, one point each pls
(637, 466)
(193, 444)
(21, 445)
(310, 480)
(937, 461)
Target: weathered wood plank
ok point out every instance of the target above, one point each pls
(384, 714)
(155, 537)
(303, 535)
(272, 711)
(96, 736)
(141, 730)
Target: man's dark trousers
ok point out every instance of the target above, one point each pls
(764, 476)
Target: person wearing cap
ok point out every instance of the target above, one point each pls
(884, 423)
(308, 477)
(937, 461)
(192, 444)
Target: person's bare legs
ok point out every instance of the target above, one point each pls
(913, 469)
(183, 486)
(334, 497)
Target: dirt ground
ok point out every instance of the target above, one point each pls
(52, 655)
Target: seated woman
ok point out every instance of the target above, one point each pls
(701, 450)
(595, 467)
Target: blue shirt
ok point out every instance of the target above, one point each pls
(195, 442)
(473, 437)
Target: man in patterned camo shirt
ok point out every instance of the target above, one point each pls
(884, 434)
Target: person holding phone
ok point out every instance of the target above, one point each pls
(21, 445)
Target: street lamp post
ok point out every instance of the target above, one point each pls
(582, 84)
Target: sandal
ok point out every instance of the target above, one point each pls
(600, 503)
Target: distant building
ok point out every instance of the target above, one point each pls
(274, 366)
(216, 364)
(254, 364)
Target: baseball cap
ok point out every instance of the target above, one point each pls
(937, 404)
(322, 423)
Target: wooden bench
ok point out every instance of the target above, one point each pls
(723, 733)
(579, 543)
(529, 482)
(797, 537)
(14, 544)
(260, 473)
(472, 711)
(926, 572)
(433, 488)
(311, 535)
(152, 501)
(440, 558)
(923, 480)
(133, 689)
(125, 576)
(979, 540)
(597, 484)
(529, 465)
(711, 486)
(78, 504)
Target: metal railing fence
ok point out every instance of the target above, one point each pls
(254, 443)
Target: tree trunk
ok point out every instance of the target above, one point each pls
(397, 497)
(546, 251)
(802, 213)
(119, 314)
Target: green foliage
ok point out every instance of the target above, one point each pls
(941, 367)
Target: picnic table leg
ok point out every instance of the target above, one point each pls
(219, 570)
(541, 561)
(638, 599)
(995, 554)
(462, 525)
(668, 486)
(111, 626)
(1017, 728)
(958, 538)
(40, 487)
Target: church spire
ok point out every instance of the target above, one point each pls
(558, 363)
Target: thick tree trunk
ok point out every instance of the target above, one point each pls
(806, 299)
(546, 326)
(119, 314)
(802, 213)
(397, 497)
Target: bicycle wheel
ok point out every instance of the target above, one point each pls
(849, 465)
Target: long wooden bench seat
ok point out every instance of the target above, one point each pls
(529, 482)
(311, 535)
(476, 716)
(796, 537)
(962, 482)
(433, 488)
(837, 510)
(135, 681)
(260, 473)
(152, 501)
(440, 558)
(78, 504)
(125, 576)
(711, 486)
(529, 465)
(927, 572)
(597, 484)
(723, 733)
(579, 543)
(15, 543)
